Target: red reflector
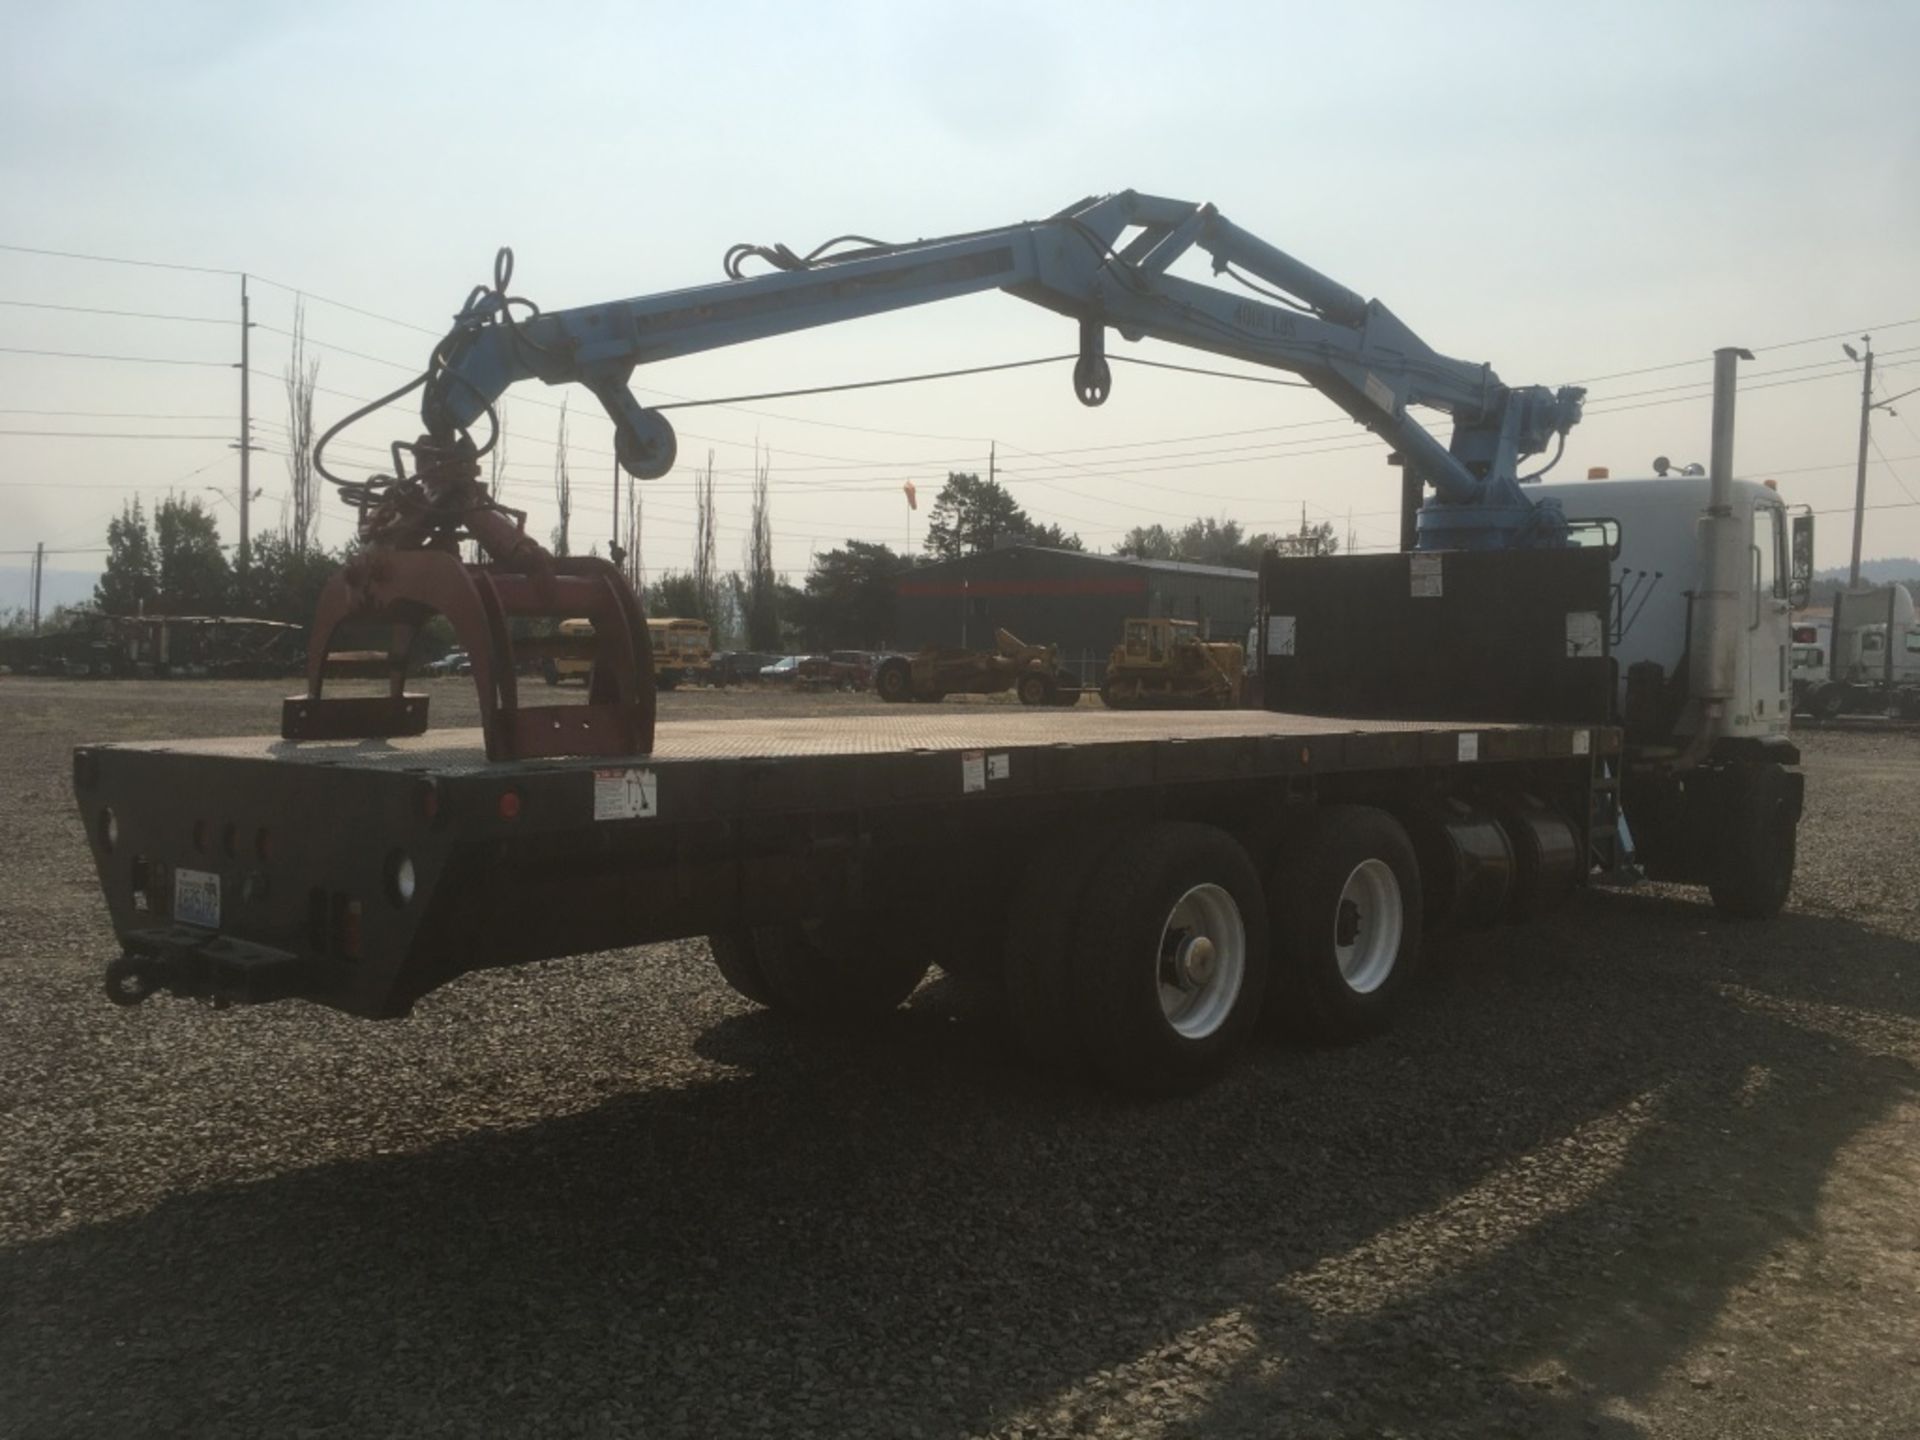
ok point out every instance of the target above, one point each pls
(429, 799)
(509, 804)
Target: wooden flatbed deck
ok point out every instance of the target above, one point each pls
(1313, 742)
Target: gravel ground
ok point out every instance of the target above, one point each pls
(1630, 1171)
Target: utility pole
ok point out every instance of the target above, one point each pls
(39, 573)
(1860, 479)
(246, 429)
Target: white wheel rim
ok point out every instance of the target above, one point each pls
(1367, 926)
(1202, 961)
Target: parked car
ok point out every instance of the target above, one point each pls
(454, 662)
(787, 669)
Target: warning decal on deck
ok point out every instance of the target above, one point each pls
(1469, 746)
(1280, 633)
(625, 795)
(999, 766)
(973, 771)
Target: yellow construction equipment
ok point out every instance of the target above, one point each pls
(1031, 671)
(1165, 664)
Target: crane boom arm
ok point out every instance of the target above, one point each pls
(1104, 263)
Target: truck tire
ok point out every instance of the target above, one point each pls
(894, 681)
(1829, 702)
(739, 965)
(1038, 971)
(1032, 689)
(1757, 828)
(1347, 908)
(841, 974)
(1171, 963)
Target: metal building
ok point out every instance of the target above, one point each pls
(1064, 598)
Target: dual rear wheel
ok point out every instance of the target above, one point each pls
(1148, 957)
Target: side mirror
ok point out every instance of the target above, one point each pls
(1800, 585)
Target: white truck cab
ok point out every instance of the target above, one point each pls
(1659, 571)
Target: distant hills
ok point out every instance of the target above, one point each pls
(1875, 572)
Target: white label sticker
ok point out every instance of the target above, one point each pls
(1583, 633)
(999, 766)
(1379, 392)
(1280, 630)
(973, 771)
(1423, 574)
(1581, 740)
(625, 795)
(1469, 746)
(196, 898)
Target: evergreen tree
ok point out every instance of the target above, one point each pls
(969, 513)
(850, 599)
(194, 577)
(131, 580)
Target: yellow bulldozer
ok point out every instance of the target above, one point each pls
(1166, 664)
(1032, 672)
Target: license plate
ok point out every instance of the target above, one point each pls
(196, 898)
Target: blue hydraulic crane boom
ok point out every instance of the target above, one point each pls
(1103, 262)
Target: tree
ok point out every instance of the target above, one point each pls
(1205, 541)
(673, 596)
(1308, 540)
(969, 513)
(850, 598)
(194, 577)
(706, 567)
(302, 376)
(131, 580)
(759, 589)
(497, 456)
(636, 568)
(283, 582)
(1053, 537)
(562, 485)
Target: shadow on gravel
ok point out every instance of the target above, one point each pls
(1512, 1216)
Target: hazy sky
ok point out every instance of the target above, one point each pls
(1567, 192)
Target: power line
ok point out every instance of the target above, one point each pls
(1216, 374)
(114, 414)
(129, 359)
(105, 435)
(117, 260)
(1757, 350)
(868, 384)
(1890, 470)
(123, 314)
(343, 305)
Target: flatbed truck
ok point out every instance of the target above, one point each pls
(1459, 734)
(834, 860)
